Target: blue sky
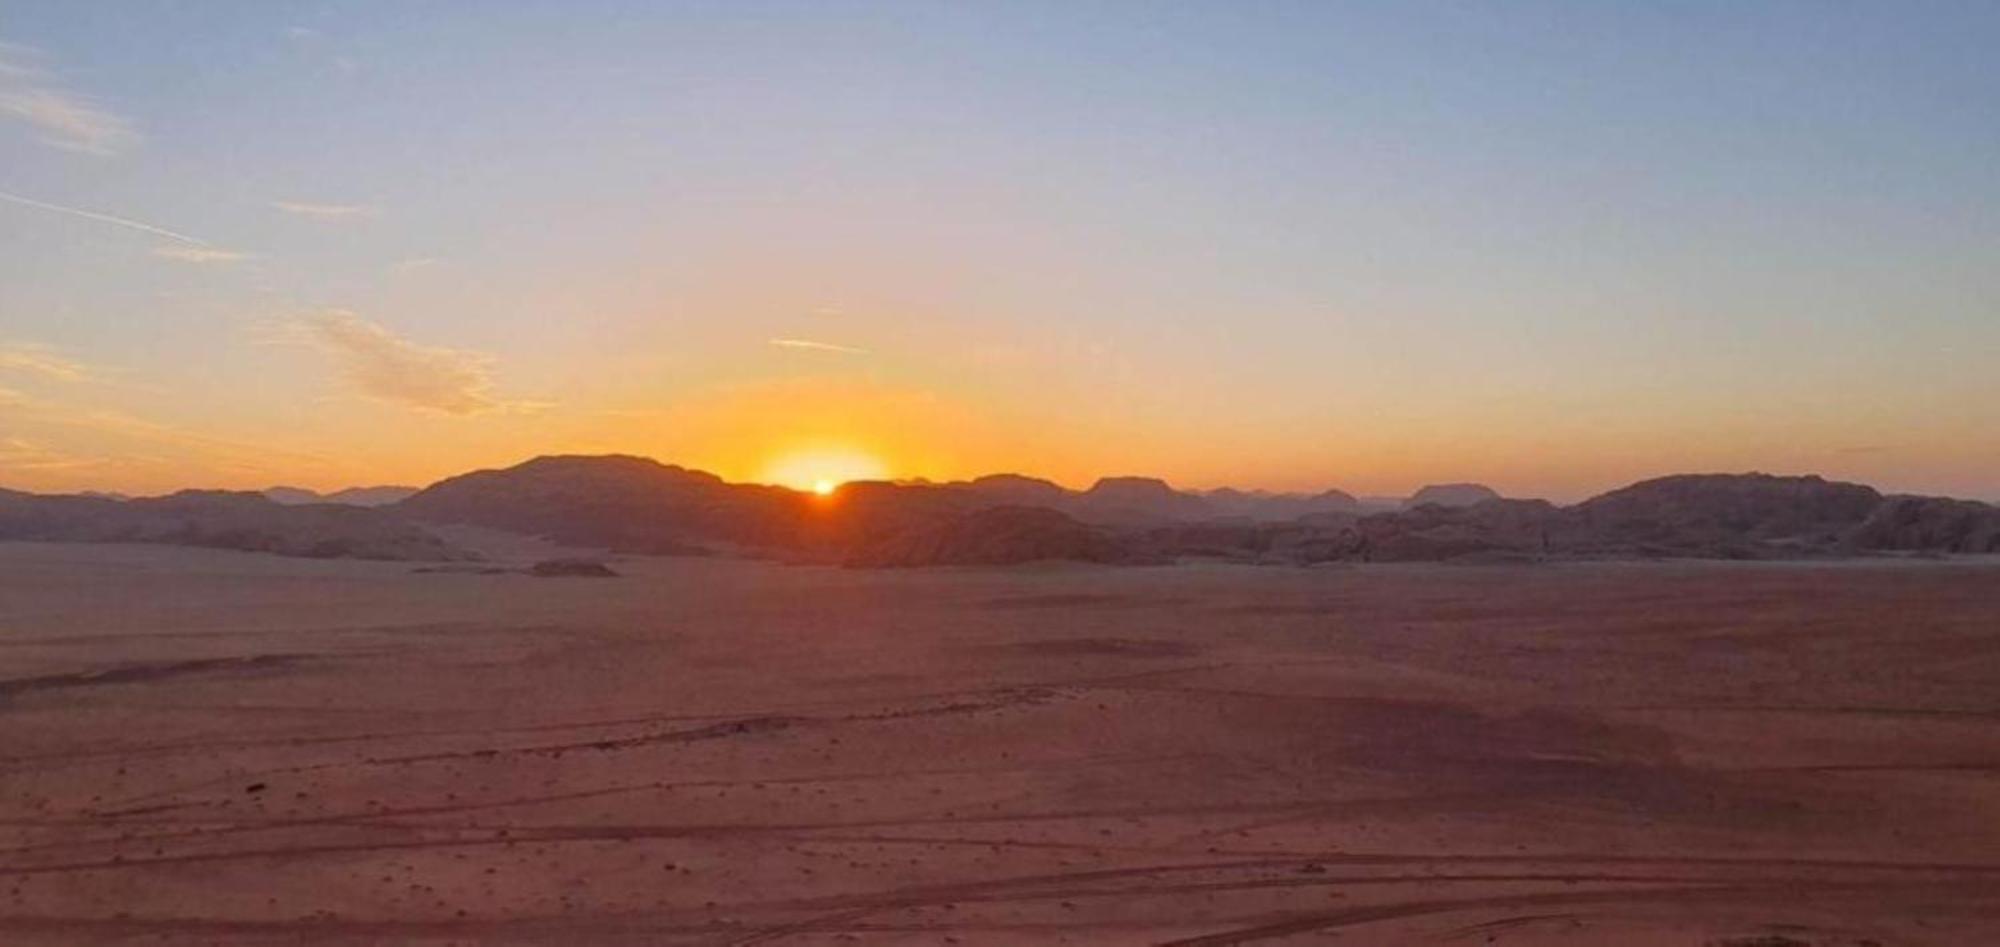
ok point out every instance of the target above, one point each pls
(1555, 246)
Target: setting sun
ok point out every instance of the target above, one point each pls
(822, 470)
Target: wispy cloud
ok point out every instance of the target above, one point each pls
(102, 218)
(382, 365)
(199, 255)
(810, 345)
(60, 118)
(413, 264)
(324, 211)
(17, 453)
(44, 362)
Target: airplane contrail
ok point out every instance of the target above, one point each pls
(102, 218)
(818, 346)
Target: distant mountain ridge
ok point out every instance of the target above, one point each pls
(641, 506)
(222, 520)
(1451, 494)
(351, 496)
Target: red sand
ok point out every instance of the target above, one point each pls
(214, 747)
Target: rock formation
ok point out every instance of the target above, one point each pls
(1932, 524)
(222, 520)
(1451, 494)
(998, 535)
(352, 496)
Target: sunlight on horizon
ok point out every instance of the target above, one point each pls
(822, 470)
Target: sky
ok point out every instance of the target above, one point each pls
(1552, 247)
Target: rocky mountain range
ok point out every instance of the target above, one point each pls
(636, 505)
(352, 496)
(222, 520)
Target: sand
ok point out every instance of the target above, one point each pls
(204, 747)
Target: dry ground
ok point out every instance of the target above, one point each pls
(202, 747)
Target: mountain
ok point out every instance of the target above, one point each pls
(1015, 490)
(638, 505)
(1712, 516)
(629, 504)
(1133, 500)
(998, 535)
(1929, 524)
(1728, 513)
(222, 520)
(1260, 505)
(1451, 494)
(352, 496)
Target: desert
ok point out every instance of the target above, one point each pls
(880, 472)
(245, 748)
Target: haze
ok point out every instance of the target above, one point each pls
(1550, 247)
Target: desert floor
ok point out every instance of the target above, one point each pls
(202, 747)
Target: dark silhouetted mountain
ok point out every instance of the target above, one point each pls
(572, 569)
(222, 520)
(999, 535)
(1451, 494)
(1497, 528)
(637, 505)
(1136, 500)
(1727, 514)
(1933, 524)
(630, 504)
(1259, 505)
(352, 496)
(1016, 490)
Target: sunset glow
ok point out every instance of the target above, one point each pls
(822, 470)
(1365, 250)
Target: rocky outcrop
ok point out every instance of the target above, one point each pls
(352, 496)
(1015, 490)
(1136, 500)
(629, 504)
(1727, 515)
(1262, 506)
(636, 505)
(1451, 494)
(1929, 524)
(1001, 535)
(223, 520)
(571, 569)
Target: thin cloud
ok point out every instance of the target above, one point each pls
(60, 118)
(42, 361)
(379, 364)
(21, 454)
(401, 267)
(18, 61)
(199, 255)
(103, 218)
(811, 346)
(324, 211)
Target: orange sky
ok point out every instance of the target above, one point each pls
(1317, 246)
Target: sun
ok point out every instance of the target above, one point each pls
(822, 469)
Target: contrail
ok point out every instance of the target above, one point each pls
(102, 218)
(818, 346)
